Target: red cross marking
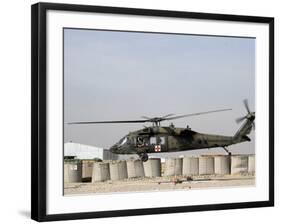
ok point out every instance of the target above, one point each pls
(157, 148)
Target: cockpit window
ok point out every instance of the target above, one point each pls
(123, 141)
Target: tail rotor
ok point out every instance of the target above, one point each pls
(249, 116)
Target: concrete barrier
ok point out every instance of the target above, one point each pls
(100, 172)
(206, 165)
(173, 166)
(222, 164)
(152, 167)
(135, 168)
(251, 164)
(73, 171)
(190, 166)
(239, 164)
(118, 170)
(87, 169)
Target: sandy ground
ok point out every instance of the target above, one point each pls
(158, 184)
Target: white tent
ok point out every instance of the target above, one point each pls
(81, 151)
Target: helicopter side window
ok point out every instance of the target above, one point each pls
(152, 141)
(162, 140)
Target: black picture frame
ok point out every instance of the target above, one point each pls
(39, 106)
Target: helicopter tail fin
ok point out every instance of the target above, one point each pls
(245, 129)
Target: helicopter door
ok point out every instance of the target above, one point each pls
(158, 143)
(155, 144)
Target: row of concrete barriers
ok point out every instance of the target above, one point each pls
(77, 170)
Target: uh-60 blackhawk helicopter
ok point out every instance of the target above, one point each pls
(159, 139)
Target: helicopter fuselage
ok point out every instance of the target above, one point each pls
(157, 139)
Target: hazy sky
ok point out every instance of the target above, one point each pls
(125, 75)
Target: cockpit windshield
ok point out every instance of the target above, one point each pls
(123, 141)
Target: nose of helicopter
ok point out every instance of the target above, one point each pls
(113, 149)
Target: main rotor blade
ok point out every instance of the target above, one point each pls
(247, 105)
(195, 114)
(109, 122)
(147, 120)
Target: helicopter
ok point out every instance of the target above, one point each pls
(163, 139)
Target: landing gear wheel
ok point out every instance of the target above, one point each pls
(143, 157)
